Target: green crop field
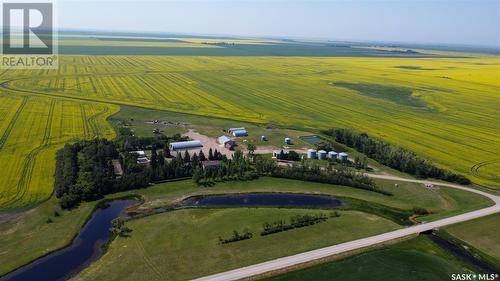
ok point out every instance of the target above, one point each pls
(445, 109)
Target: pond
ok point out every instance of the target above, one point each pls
(263, 200)
(86, 247)
(462, 254)
(311, 139)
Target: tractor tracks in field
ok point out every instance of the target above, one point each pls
(476, 167)
(149, 263)
(91, 126)
(85, 124)
(93, 123)
(12, 123)
(30, 160)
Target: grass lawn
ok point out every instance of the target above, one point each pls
(482, 234)
(415, 259)
(183, 244)
(29, 236)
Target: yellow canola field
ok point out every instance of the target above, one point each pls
(458, 127)
(32, 129)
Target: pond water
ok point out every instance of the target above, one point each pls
(463, 254)
(311, 139)
(86, 247)
(264, 200)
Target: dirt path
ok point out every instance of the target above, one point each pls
(208, 143)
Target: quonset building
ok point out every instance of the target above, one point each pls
(238, 132)
(226, 142)
(185, 145)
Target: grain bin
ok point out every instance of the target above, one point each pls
(311, 153)
(343, 156)
(332, 155)
(322, 155)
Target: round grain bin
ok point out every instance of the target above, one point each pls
(343, 156)
(332, 155)
(311, 153)
(322, 155)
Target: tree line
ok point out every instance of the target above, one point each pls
(238, 168)
(338, 175)
(393, 156)
(85, 169)
(236, 237)
(296, 221)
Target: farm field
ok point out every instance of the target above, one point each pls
(415, 259)
(28, 236)
(187, 45)
(179, 241)
(444, 109)
(32, 129)
(251, 140)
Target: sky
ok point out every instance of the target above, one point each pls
(466, 22)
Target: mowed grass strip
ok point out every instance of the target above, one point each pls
(183, 244)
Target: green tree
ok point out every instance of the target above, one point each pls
(187, 158)
(167, 152)
(154, 164)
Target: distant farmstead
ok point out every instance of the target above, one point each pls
(185, 145)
